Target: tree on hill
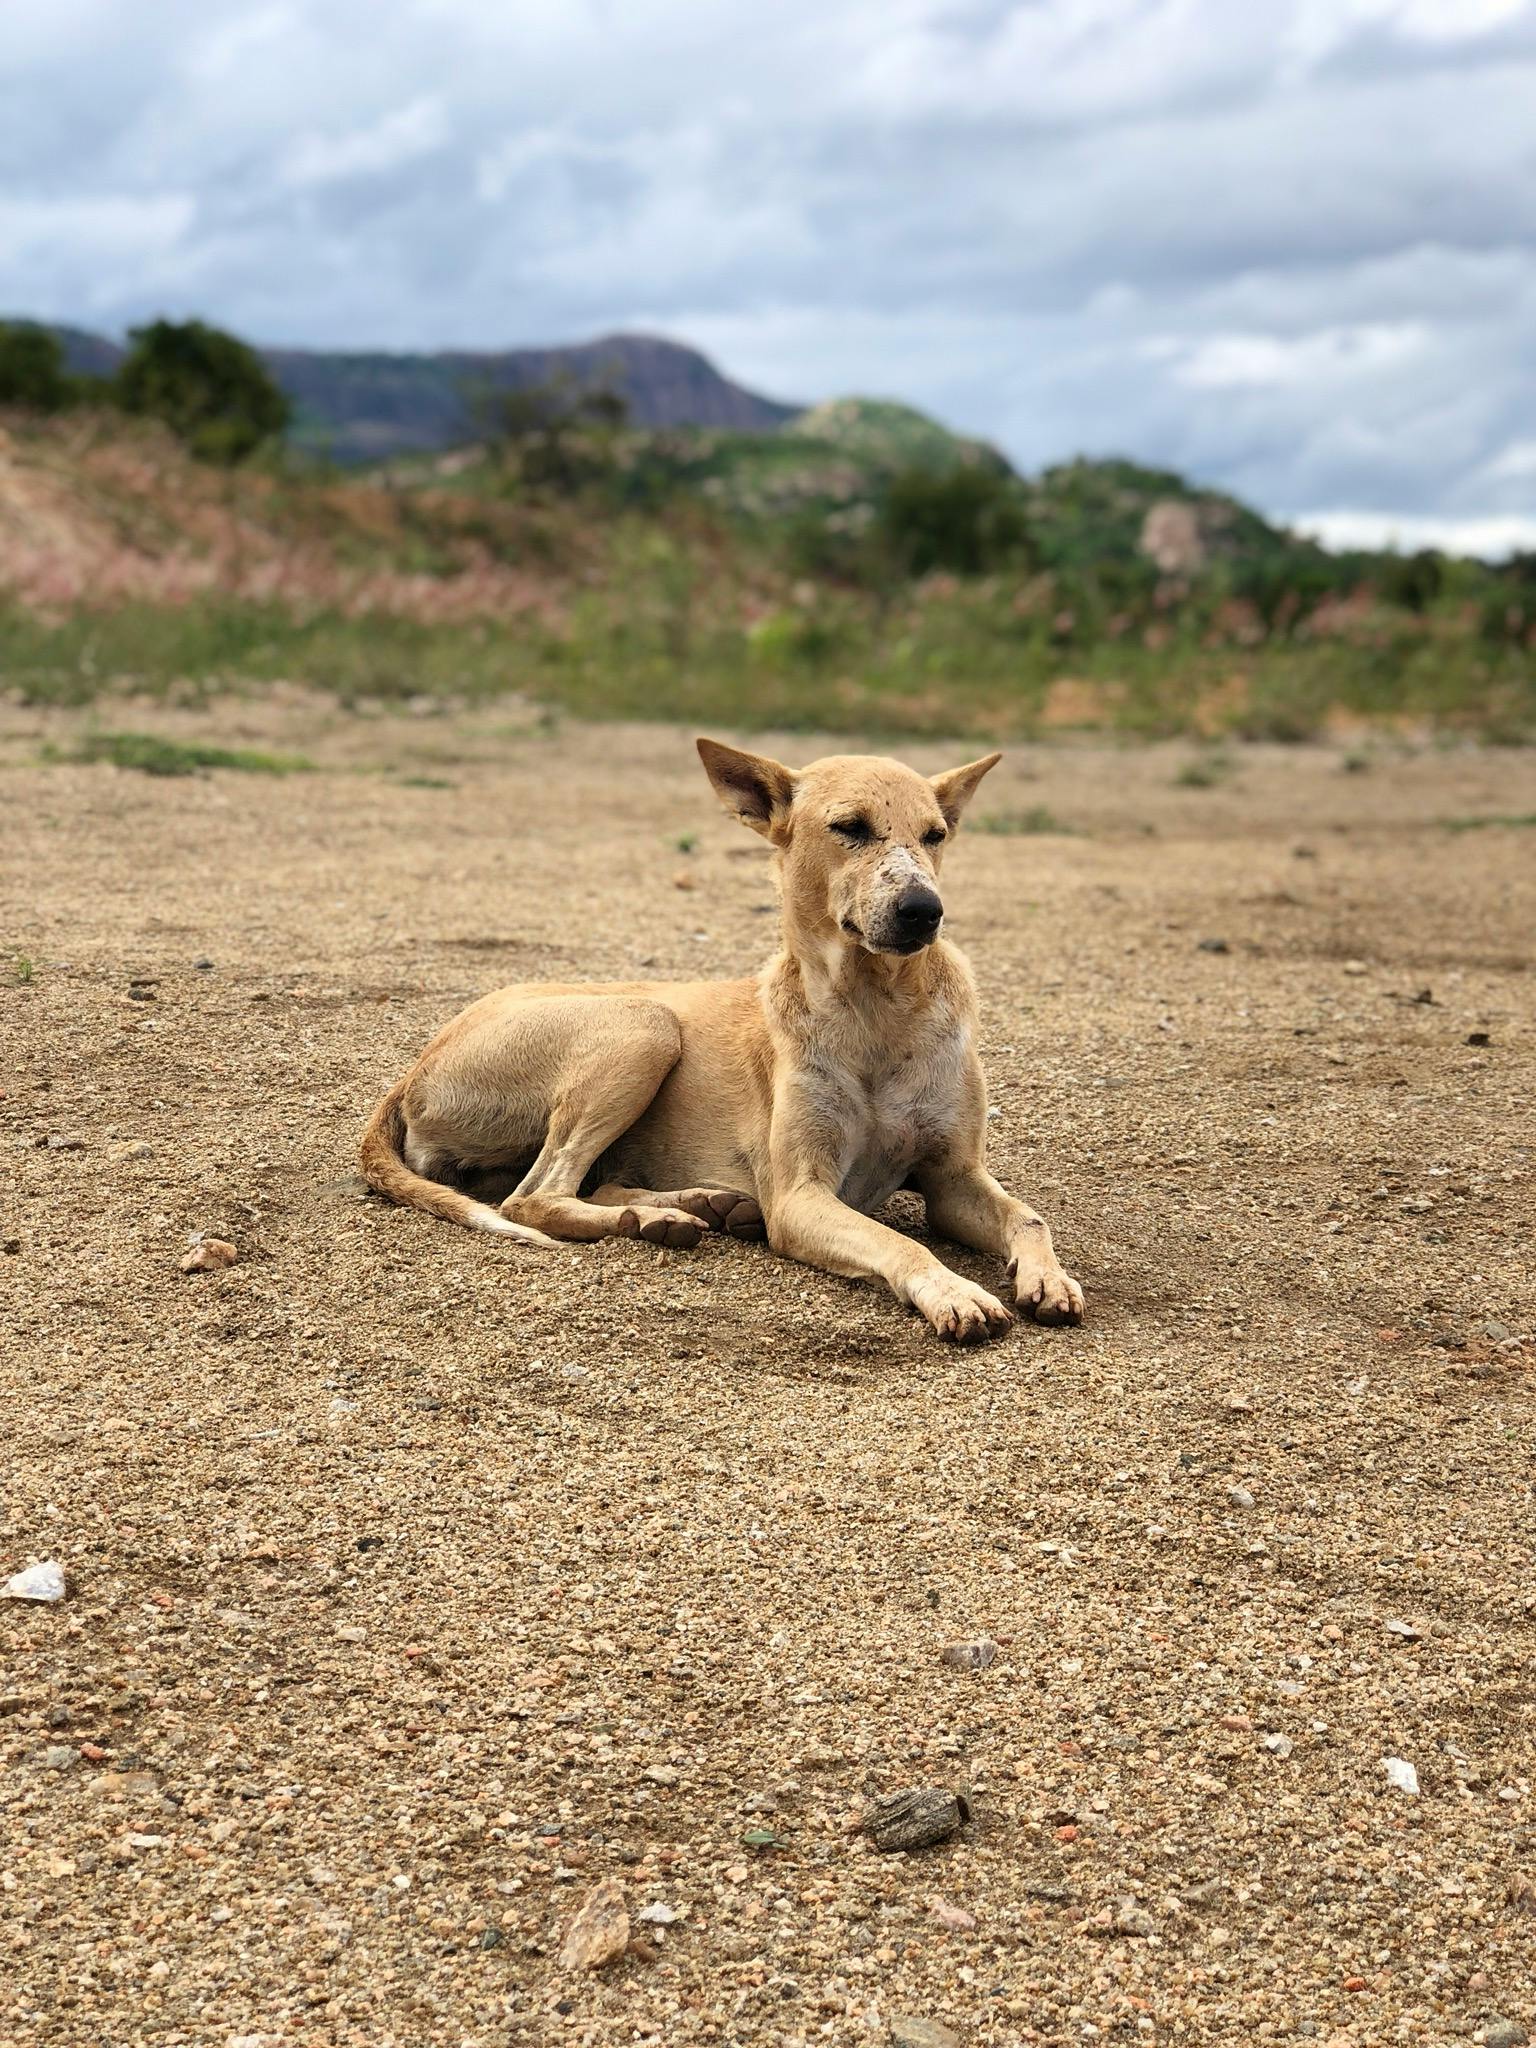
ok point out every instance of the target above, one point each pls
(557, 435)
(208, 387)
(968, 520)
(32, 373)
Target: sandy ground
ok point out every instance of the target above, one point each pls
(418, 1582)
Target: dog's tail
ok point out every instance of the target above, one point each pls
(383, 1162)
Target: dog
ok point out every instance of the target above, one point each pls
(791, 1106)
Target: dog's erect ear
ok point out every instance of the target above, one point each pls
(957, 786)
(752, 787)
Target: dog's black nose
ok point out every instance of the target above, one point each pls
(918, 913)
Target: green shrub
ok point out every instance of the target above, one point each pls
(967, 520)
(211, 389)
(1413, 581)
(32, 374)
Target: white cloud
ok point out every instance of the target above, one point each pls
(1231, 361)
(384, 145)
(1516, 463)
(1491, 539)
(98, 228)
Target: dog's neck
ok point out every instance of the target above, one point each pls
(834, 976)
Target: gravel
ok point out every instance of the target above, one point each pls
(735, 1549)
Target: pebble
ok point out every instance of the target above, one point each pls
(1214, 946)
(203, 964)
(1401, 1774)
(1240, 1497)
(951, 1916)
(1505, 2034)
(908, 2031)
(1133, 1919)
(1279, 1745)
(974, 1656)
(209, 1255)
(43, 1581)
(600, 1930)
(916, 1819)
(135, 1148)
(350, 1634)
(66, 1144)
(659, 1914)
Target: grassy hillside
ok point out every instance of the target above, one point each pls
(743, 579)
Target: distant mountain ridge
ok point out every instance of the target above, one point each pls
(365, 406)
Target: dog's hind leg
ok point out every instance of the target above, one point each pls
(616, 1054)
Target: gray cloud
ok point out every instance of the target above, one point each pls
(1289, 249)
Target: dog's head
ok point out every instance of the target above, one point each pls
(860, 838)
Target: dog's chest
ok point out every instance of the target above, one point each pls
(894, 1115)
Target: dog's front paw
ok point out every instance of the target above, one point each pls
(1047, 1295)
(958, 1309)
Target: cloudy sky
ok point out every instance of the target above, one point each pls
(1287, 246)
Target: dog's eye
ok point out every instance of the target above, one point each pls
(936, 837)
(855, 830)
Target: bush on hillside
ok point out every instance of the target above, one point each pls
(1413, 581)
(32, 373)
(558, 436)
(967, 520)
(211, 389)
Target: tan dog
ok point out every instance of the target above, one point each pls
(795, 1103)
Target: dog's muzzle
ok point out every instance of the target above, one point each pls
(912, 922)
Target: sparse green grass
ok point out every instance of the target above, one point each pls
(153, 755)
(425, 782)
(685, 842)
(1209, 771)
(1507, 821)
(1036, 819)
(661, 646)
(25, 968)
(1356, 764)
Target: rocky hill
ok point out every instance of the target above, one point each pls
(360, 407)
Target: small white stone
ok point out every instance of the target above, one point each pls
(43, 1581)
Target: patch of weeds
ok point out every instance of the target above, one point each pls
(685, 842)
(25, 967)
(426, 782)
(1207, 772)
(1356, 764)
(154, 756)
(1037, 819)
(1509, 821)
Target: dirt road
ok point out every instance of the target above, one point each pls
(418, 1582)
